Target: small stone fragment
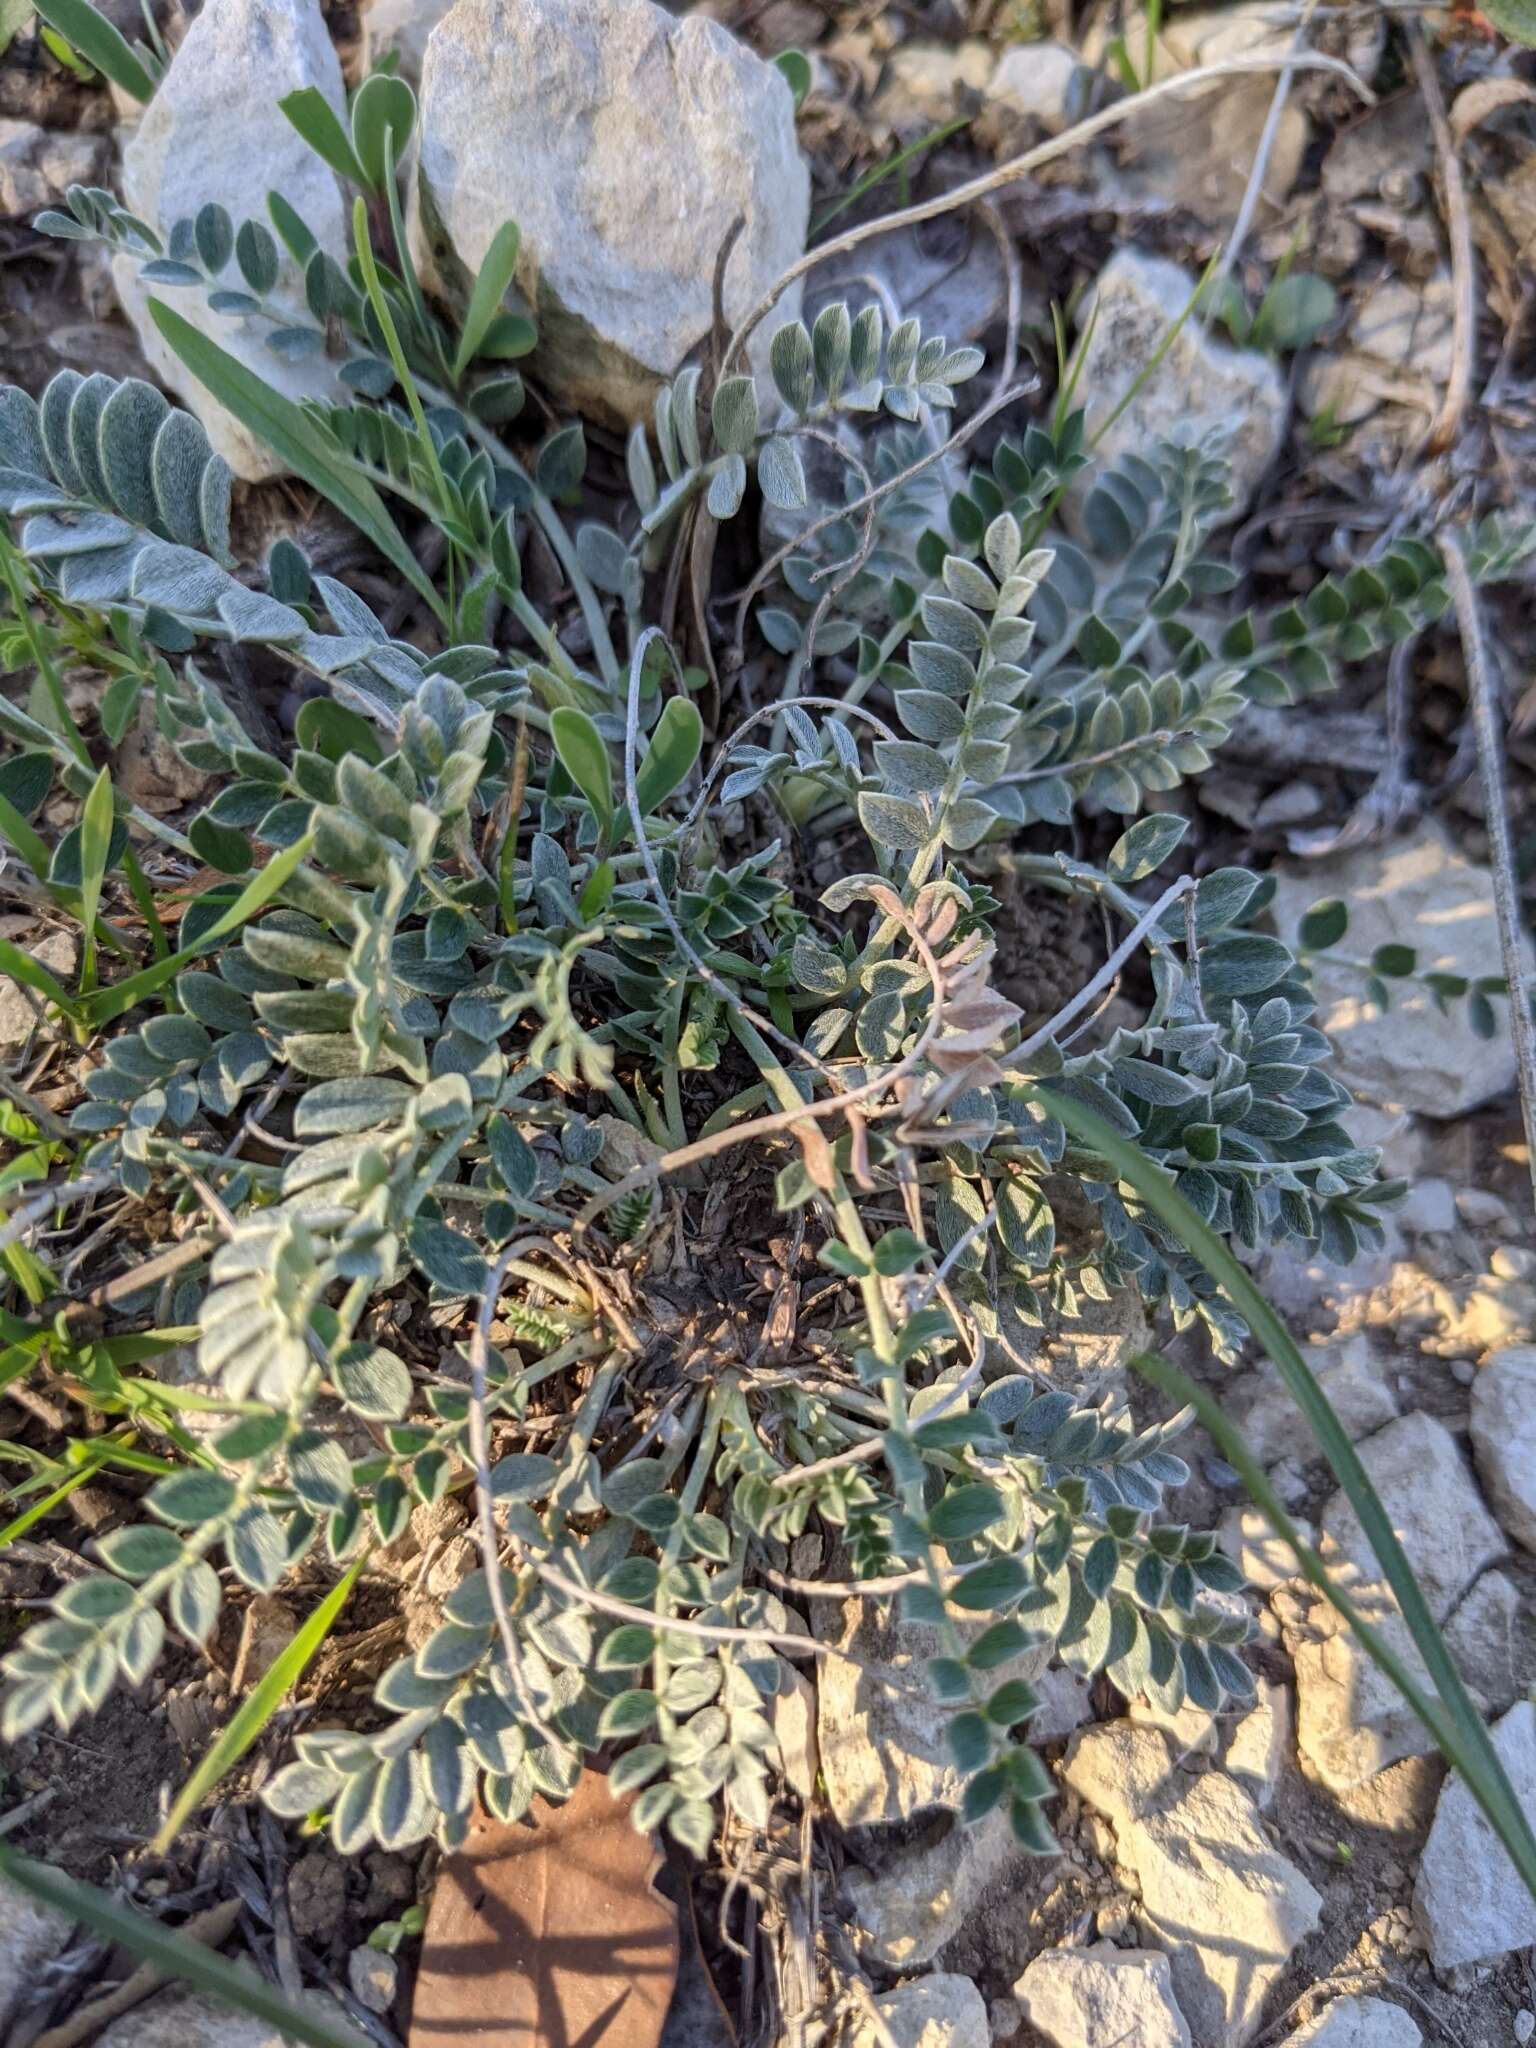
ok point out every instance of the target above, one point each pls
(178, 2019)
(374, 1977)
(1089, 1998)
(1260, 1745)
(1504, 1438)
(22, 1010)
(907, 1911)
(1469, 1899)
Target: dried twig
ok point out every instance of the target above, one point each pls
(1253, 190)
(1458, 226)
(1035, 159)
(56, 1195)
(212, 1928)
(1482, 686)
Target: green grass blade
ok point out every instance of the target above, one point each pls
(94, 37)
(173, 1954)
(95, 848)
(1457, 1726)
(257, 1710)
(108, 1003)
(291, 434)
(888, 169)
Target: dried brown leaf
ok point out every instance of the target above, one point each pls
(548, 1933)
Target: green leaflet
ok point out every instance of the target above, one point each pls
(94, 37)
(293, 436)
(322, 128)
(674, 748)
(584, 756)
(489, 290)
(1456, 1724)
(174, 1954)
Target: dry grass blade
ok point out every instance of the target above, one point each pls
(1483, 689)
(549, 1933)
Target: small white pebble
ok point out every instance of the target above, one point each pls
(1525, 2025)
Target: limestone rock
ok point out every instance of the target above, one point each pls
(1226, 1905)
(1447, 1535)
(1259, 1554)
(883, 1751)
(213, 133)
(1199, 391)
(1350, 1376)
(1196, 150)
(926, 83)
(179, 2019)
(792, 1712)
(1351, 1720)
(1260, 1745)
(20, 1010)
(38, 165)
(1351, 2022)
(1492, 1641)
(1087, 1998)
(626, 144)
(30, 1933)
(1417, 892)
(1035, 81)
(941, 2011)
(400, 28)
(1504, 1438)
(1469, 1899)
(907, 1911)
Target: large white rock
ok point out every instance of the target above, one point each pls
(1089, 1998)
(1436, 1512)
(1200, 390)
(1504, 1438)
(1416, 892)
(30, 1933)
(1351, 2022)
(213, 132)
(1229, 1909)
(625, 144)
(1469, 1899)
(942, 2011)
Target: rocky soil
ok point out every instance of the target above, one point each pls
(1303, 1871)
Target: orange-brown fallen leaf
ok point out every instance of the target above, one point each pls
(548, 1933)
